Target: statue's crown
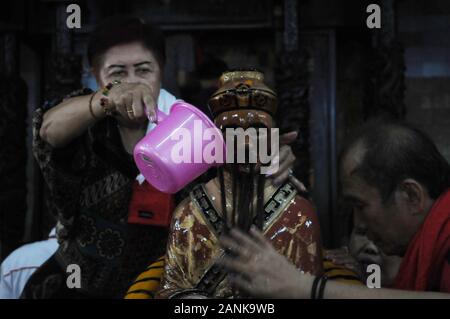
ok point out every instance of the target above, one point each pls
(244, 89)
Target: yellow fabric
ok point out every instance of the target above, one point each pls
(340, 273)
(146, 284)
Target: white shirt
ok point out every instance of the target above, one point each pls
(18, 267)
(165, 101)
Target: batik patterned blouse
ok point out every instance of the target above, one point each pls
(90, 183)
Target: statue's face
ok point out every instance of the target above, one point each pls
(244, 104)
(250, 121)
(244, 118)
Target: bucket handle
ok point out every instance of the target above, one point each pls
(160, 115)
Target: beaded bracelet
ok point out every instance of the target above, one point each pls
(314, 287)
(322, 287)
(318, 287)
(90, 106)
(104, 102)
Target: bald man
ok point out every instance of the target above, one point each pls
(398, 185)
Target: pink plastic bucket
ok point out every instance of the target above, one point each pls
(182, 132)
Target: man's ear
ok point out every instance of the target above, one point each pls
(414, 194)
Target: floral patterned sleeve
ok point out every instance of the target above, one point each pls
(62, 169)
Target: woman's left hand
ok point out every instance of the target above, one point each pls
(257, 269)
(287, 158)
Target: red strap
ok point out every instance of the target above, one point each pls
(149, 206)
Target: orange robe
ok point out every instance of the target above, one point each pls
(291, 224)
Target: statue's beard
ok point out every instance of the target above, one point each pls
(250, 163)
(242, 186)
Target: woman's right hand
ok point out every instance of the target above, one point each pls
(132, 103)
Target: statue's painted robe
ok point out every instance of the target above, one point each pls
(291, 224)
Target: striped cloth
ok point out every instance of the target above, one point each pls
(340, 273)
(146, 284)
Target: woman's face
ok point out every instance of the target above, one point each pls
(130, 63)
(247, 119)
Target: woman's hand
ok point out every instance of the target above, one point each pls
(133, 103)
(287, 158)
(257, 269)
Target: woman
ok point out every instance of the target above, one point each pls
(84, 147)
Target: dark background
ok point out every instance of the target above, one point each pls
(331, 73)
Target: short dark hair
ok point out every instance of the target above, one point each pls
(394, 151)
(122, 29)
